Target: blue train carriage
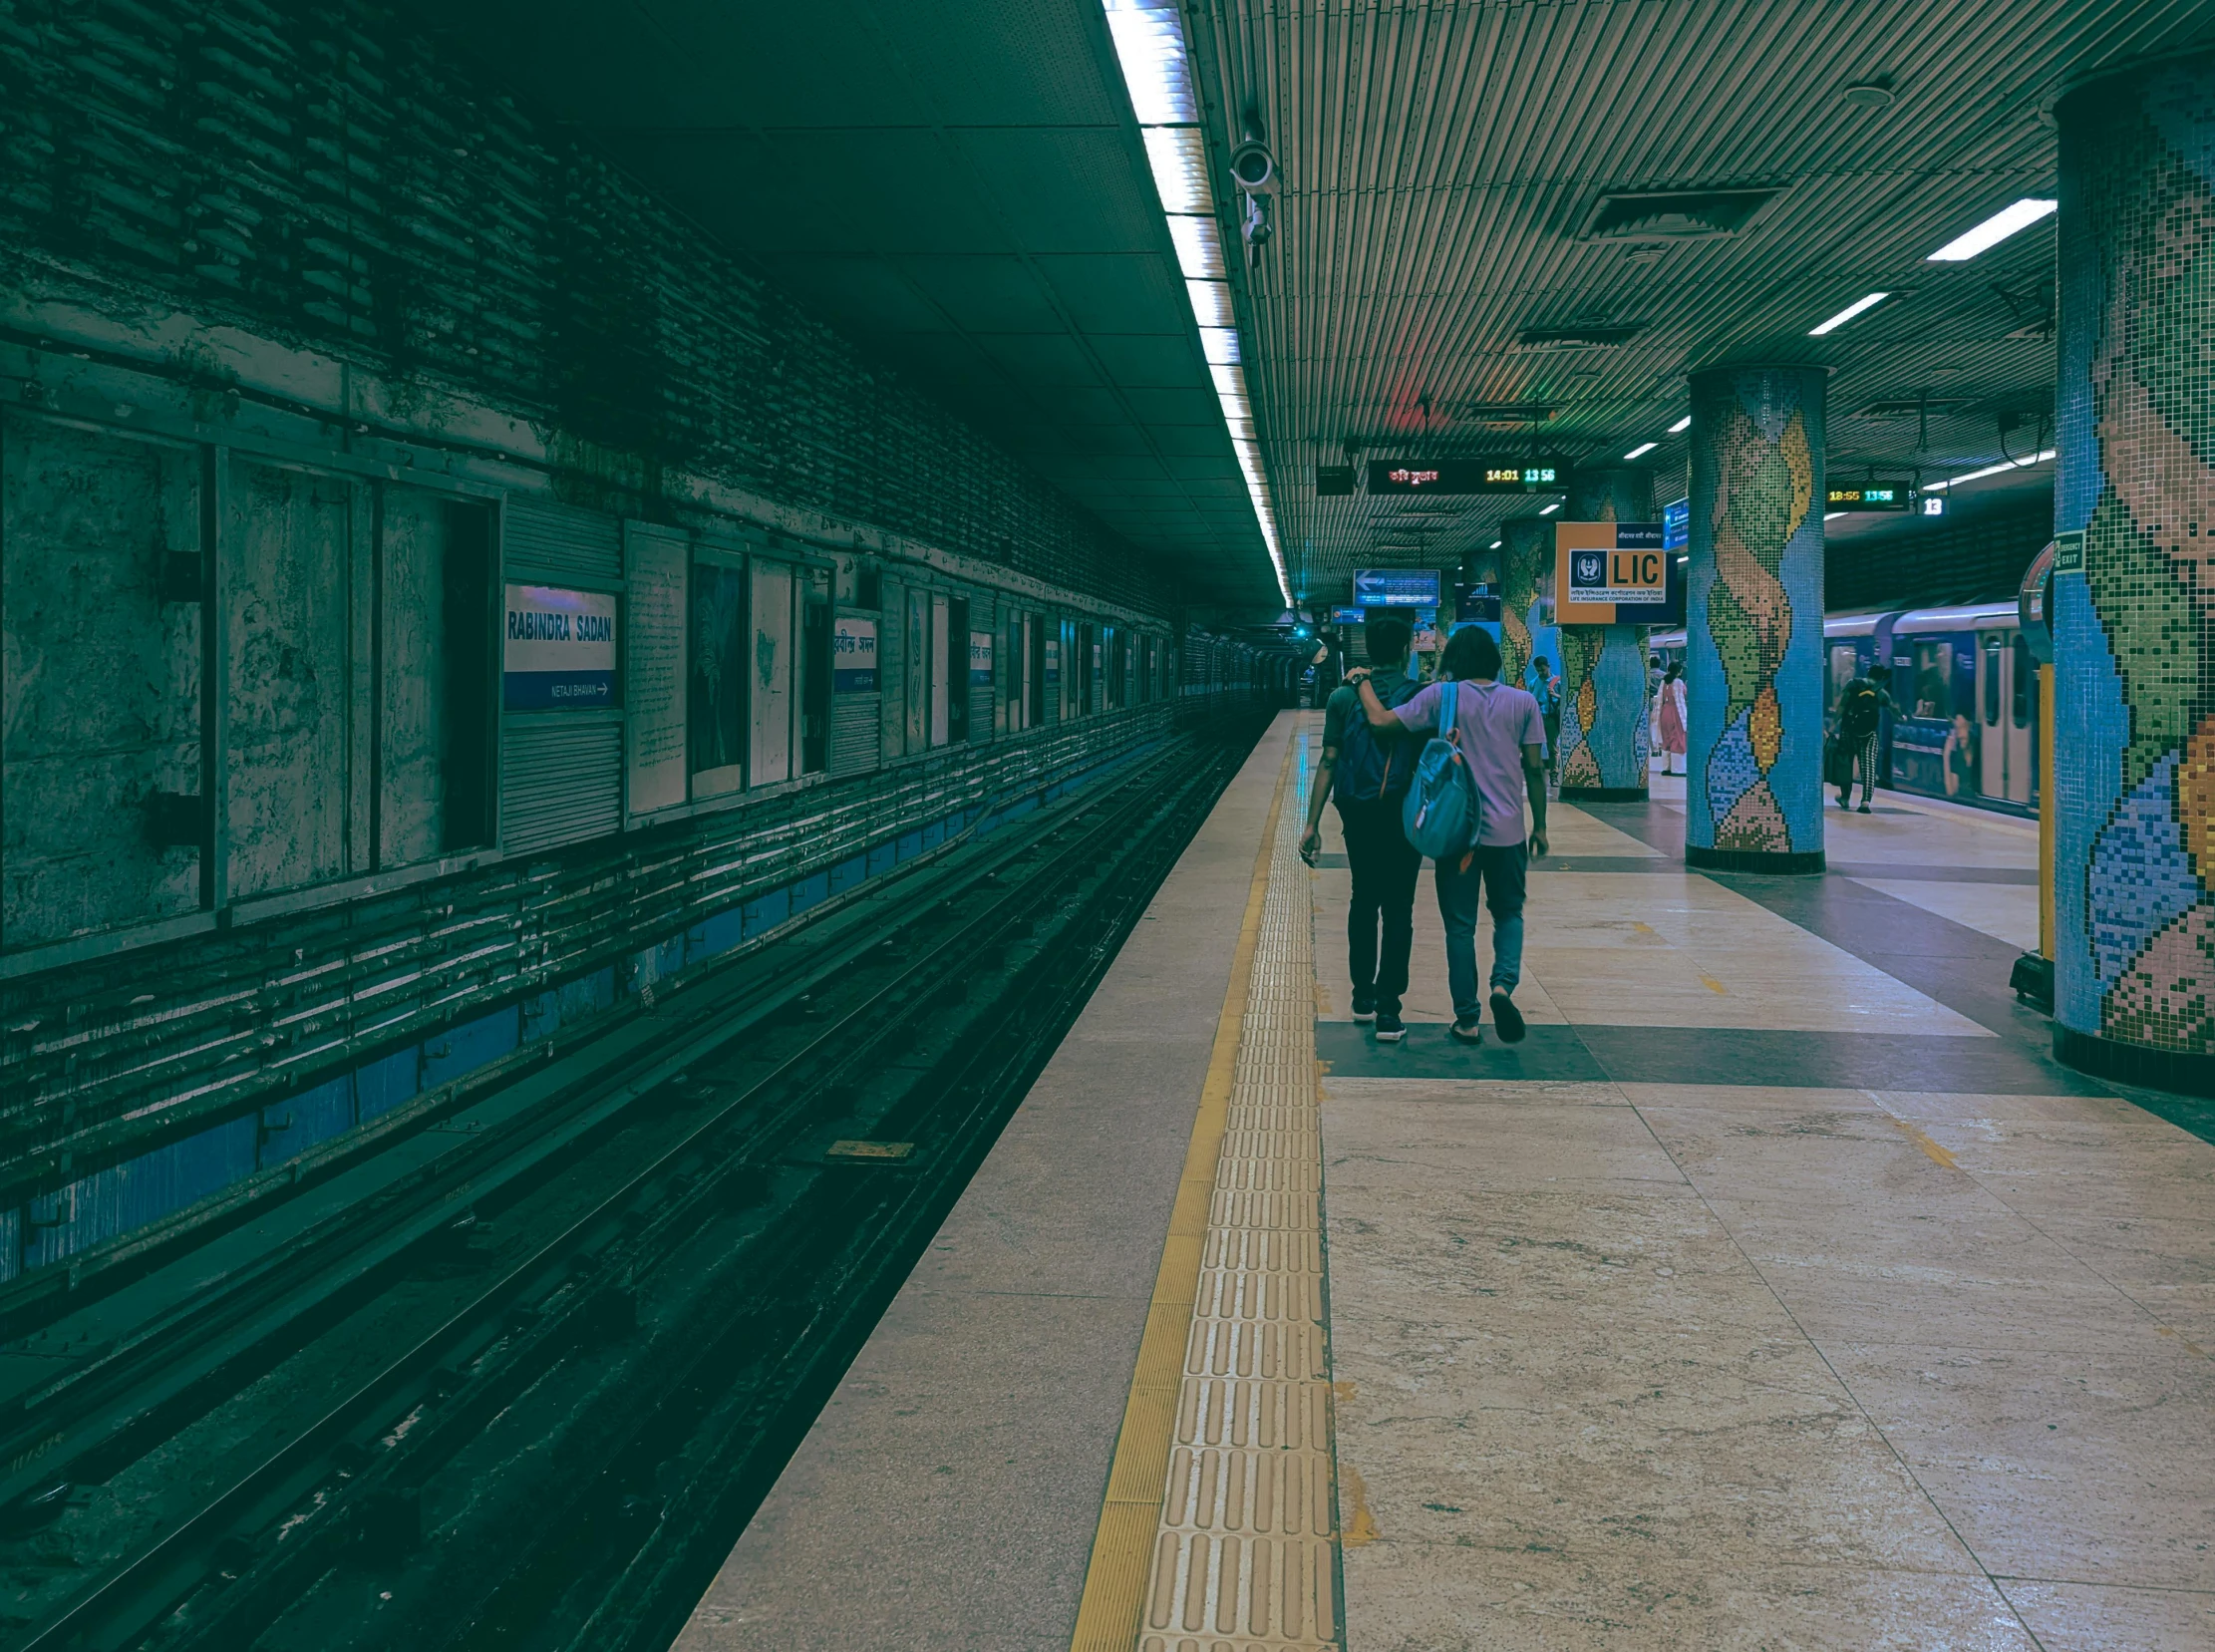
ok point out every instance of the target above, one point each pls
(1966, 688)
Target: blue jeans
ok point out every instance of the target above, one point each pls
(1496, 870)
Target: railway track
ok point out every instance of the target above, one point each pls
(520, 1379)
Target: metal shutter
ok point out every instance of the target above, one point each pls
(561, 779)
(555, 543)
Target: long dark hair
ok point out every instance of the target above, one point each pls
(1469, 652)
(1675, 670)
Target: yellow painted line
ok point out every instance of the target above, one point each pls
(1931, 1149)
(1714, 985)
(1111, 1610)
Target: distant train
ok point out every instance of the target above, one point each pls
(1966, 688)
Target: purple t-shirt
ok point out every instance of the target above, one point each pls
(1496, 723)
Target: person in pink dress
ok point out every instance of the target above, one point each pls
(1669, 717)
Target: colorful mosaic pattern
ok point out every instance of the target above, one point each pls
(2135, 666)
(1604, 737)
(1527, 597)
(1753, 611)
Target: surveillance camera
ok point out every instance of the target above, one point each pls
(1253, 168)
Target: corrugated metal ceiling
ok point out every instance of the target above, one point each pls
(1441, 160)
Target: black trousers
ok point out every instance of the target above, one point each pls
(1381, 922)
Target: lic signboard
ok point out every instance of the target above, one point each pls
(1614, 573)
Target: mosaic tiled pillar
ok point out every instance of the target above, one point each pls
(2134, 659)
(1753, 629)
(1603, 667)
(1527, 597)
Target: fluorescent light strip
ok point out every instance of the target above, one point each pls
(1680, 425)
(1994, 229)
(1832, 516)
(2001, 469)
(1150, 46)
(1868, 301)
(1641, 447)
(1549, 509)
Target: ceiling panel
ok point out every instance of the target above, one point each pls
(1439, 166)
(999, 295)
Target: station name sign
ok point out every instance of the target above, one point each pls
(558, 649)
(1871, 496)
(1464, 476)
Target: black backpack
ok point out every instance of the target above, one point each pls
(1374, 763)
(1857, 712)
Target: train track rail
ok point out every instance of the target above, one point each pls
(519, 1380)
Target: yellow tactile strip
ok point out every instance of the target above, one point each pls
(1245, 1553)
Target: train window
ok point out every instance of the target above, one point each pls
(1991, 676)
(2026, 684)
(1845, 660)
(1934, 672)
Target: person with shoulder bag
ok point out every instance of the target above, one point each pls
(1368, 769)
(1495, 743)
(1860, 711)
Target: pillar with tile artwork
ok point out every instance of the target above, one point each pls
(2135, 585)
(1753, 621)
(1604, 733)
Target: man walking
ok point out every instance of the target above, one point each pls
(1498, 732)
(1861, 706)
(1368, 769)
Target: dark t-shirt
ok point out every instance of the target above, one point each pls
(1346, 702)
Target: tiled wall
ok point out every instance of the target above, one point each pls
(1604, 737)
(1754, 612)
(1527, 597)
(2135, 700)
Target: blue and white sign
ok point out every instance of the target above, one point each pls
(980, 659)
(853, 655)
(1395, 587)
(560, 649)
(1675, 524)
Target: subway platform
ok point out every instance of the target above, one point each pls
(1780, 1290)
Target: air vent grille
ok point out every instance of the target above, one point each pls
(1509, 412)
(1585, 337)
(1674, 214)
(1911, 407)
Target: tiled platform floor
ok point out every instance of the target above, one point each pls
(1780, 1291)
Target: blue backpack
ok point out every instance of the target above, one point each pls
(1374, 763)
(1442, 815)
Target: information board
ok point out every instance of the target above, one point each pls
(1477, 605)
(558, 652)
(980, 659)
(1465, 475)
(1869, 495)
(1675, 524)
(654, 666)
(1348, 616)
(853, 655)
(1395, 587)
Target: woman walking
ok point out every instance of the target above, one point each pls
(1670, 719)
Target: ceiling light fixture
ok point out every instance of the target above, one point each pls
(1641, 447)
(1680, 425)
(1866, 301)
(1832, 516)
(1549, 509)
(1495, 545)
(1994, 229)
(2000, 469)
(1157, 68)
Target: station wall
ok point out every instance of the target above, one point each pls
(437, 588)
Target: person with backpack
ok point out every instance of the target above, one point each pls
(1368, 769)
(1493, 743)
(1860, 712)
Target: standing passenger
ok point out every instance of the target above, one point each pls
(1545, 688)
(1860, 709)
(1503, 742)
(1672, 718)
(1370, 769)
